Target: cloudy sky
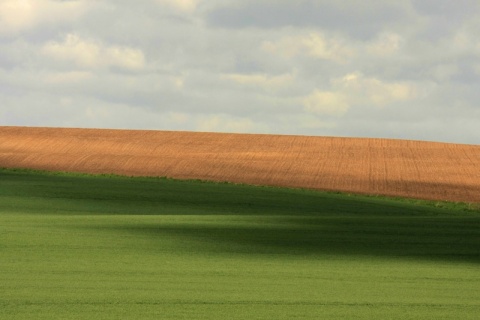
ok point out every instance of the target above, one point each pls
(407, 69)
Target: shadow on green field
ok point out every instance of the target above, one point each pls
(448, 239)
(225, 218)
(45, 193)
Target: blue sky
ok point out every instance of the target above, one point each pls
(373, 68)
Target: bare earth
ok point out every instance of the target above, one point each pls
(416, 169)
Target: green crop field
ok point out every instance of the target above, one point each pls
(106, 247)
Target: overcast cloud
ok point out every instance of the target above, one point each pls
(373, 68)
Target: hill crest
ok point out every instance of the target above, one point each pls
(406, 168)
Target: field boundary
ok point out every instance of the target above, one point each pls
(394, 168)
(448, 205)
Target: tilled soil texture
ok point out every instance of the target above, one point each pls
(416, 169)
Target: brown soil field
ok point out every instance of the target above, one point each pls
(414, 169)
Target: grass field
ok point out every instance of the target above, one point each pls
(107, 247)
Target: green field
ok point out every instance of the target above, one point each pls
(107, 247)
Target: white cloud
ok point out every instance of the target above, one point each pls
(19, 15)
(61, 78)
(386, 44)
(313, 44)
(326, 103)
(444, 72)
(223, 123)
(465, 41)
(319, 46)
(182, 5)
(178, 117)
(353, 90)
(373, 91)
(93, 54)
(97, 112)
(298, 122)
(262, 80)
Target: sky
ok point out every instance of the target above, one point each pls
(404, 69)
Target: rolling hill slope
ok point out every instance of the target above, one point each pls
(426, 170)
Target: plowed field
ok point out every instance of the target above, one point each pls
(425, 170)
